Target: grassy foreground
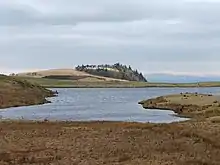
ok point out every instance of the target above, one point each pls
(53, 83)
(188, 143)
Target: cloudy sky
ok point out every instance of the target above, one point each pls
(155, 36)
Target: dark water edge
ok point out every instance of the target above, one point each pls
(100, 104)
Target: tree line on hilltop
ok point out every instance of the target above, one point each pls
(117, 71)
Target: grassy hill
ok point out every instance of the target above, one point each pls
(90, 73)
(16, 92)
(66, 74)
(75, 78)
(117, 71)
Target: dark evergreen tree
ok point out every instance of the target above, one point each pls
(121, 71)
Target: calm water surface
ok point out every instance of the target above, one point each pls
(102, 104)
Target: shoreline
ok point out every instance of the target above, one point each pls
(16, 92)
(188, 105)
(39, 102)
(128, 87)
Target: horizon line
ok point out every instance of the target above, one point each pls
(172, 73)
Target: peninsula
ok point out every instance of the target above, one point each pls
(194, 105)
(15, 92)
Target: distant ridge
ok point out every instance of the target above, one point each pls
(115, 72)
(65, 74)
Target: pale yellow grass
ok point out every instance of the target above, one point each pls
(215, 119)
(67, 71)
(193, 98)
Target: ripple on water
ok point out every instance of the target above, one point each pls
(102, 104)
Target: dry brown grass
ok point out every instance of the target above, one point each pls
(189, 104)
(43, 73)
(193, 98)
(14, 92)
(191, 143)
(215, 119)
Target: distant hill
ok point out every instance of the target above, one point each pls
(65, 74)
(169, 78)
(117, 71)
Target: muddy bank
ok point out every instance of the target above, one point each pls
(16, 92)
(187, 104)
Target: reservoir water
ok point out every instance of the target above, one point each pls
(102, 104)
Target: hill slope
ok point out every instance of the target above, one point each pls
(66, 74)
(15, 92)
(117, 71)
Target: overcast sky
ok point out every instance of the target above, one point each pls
(175, 36)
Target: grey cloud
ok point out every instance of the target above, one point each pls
(13, 16)
(136, 32)
(57, 12)
(71, 12)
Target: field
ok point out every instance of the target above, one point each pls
(189, 143)
(70, 78)
(91, 83)
(70, 73)
(200, 106)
